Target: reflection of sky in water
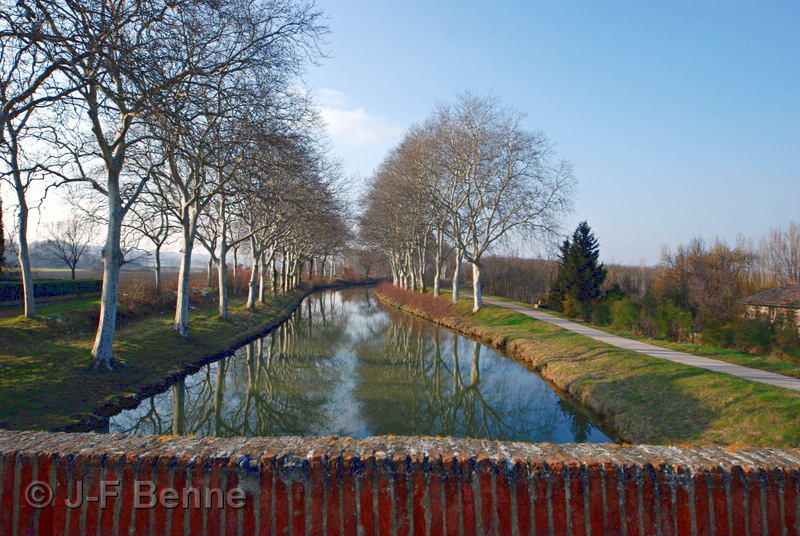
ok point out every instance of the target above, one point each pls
(346, 365)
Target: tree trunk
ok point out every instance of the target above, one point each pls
(477, 287)
(437, 276)
(262, 284)
(222, 265)
(222, 271)
(72, 272)
(188, 224)
(24, 256)
(209, 273)
(456, 275)
(253, 283)
(273, 278)
(235, 266)
(103, 350)
(158, 270)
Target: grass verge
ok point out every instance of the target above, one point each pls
(47, 381)
(643, 399)
(778, 364)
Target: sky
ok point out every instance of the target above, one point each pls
(681, 119)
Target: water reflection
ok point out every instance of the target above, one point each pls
(346, 365)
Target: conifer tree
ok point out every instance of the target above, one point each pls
(580, 276)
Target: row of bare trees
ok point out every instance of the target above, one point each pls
(456, 186)
(170, 117)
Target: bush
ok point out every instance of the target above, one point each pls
(672, 322)
(625, 314)
(601, 313)
(426, 303)
(719, 335)
(42, 288)
(753, 335)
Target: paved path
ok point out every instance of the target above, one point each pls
(747, 373)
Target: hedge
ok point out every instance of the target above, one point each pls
(42, 288)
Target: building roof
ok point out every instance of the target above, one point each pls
(784, 296)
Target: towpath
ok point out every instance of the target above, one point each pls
(747, 373)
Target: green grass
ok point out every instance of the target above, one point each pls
(643, 399)
(68, 306)
(47, 380)
(777, 364)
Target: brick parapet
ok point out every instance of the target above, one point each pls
(402, 485)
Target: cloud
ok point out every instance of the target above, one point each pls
(360, 138)
(358, 127)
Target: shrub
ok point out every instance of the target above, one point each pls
(601, 313)
(720, 334)
(625, 314)
(672, 322)
(426, 303)
(753, 335)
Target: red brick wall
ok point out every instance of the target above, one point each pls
(400, 486)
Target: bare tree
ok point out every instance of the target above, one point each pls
(780, 253)
(67, 241)
(29, 84)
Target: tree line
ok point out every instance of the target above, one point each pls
(164, 118)
(456, 186)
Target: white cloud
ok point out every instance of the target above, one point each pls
(358, 127)
(360, 138)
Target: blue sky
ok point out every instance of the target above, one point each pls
(682, 119)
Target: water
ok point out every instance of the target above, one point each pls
(344, 364)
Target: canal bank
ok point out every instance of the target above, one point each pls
(345, 364)
(644, 399)
(47, 382)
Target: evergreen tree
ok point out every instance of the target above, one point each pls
(580, 276)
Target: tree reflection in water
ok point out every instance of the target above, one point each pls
(344, 364)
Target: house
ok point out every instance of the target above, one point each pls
(776, 303)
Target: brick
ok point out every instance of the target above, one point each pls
(577, 506)
(418, 508)
(755, 503)
(665, 489)
(385, 504)
(298, 509)
(631, 500)
(738, 502)
(523, 497)
(613, 511)
(559, 476)
(702, 510)
(486, 486)
(483, 487)
(719, 500)
(468, 509)
(366, 502)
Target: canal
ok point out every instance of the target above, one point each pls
(345, 364)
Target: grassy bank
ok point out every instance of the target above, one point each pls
(47, 380)
(644, 399)
(786, 365)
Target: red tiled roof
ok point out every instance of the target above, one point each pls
(785, 296)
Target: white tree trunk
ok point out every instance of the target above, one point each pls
(252, 286)
(103, 349)
(24, 256)
(456, 275)
(437, 276)
(188, 224)
(157, 269)
(222, 271)
(477, 287)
